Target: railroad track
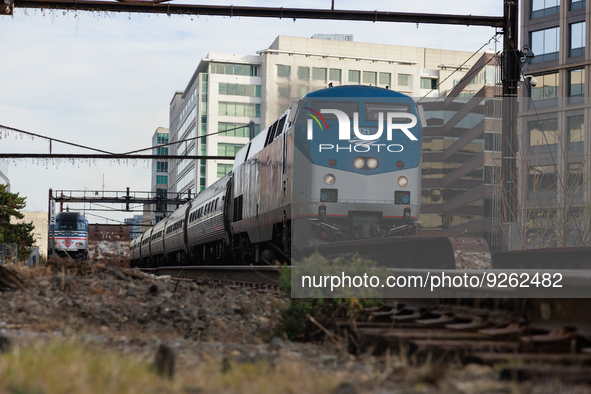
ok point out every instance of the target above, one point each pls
(252, 276)
(446, 331)
(535, 337)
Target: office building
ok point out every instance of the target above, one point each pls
(159, 184)
(554, 194)
(136, 225)
(227, 91)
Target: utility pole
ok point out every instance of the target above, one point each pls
(51, 221)
(510, 73)
(250, 130)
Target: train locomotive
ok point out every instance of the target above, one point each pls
(342, 163)
(71, 235)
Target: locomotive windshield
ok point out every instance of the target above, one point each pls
(348, 107)
(372, 110)
(71, 225)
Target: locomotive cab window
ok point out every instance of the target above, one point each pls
(71, 225)
(348, 107)
(372, 111)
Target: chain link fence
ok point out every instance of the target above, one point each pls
(8, 254)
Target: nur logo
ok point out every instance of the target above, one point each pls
(345, 129)
(345, 124)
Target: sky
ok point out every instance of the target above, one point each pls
(106, 80)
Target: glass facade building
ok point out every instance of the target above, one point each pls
(554, 168)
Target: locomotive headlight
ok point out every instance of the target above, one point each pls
(402, 181)
(79, 244)
(359, 163)
(329, 179)
(372, 163)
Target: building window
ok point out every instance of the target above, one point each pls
(403, 80)
(576, 87)
(354, 76)
(162, 138)
(334, 74)
(239, 109)
(283, 91)
(302, 91)
(577, 4)
(577, 39)
(428, 83)
(575, 127)
(543, 133)
(545, 44)
(162, 151)
(161, 166)
(228, 149)
(545, 94)
(541, 178)
(370, 77)
(574, 177)
(234, 89)
(204, 83)
(283, 71)
(304, 73)
(319, 74)
(492, 142)
(491, 174)
(233, 69)
(237, 130)
(385, 79)
(540, 8)
(162, 179)
(224, 169)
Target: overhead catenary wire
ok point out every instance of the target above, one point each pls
(186, 140)
(460, 66)
(54, 139)
(127, 155)
(106, 218)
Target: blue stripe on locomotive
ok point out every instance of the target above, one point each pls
(410, 155)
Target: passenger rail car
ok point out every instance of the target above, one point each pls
(341, 163)
(71, 235)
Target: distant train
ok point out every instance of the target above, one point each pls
(71, 235)
(341, 163)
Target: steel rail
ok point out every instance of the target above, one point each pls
(261, 12)
(261, 275)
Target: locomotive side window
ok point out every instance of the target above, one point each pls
(237, 214)
(271, 133)
(280, 127)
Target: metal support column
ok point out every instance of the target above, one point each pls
(509, 147)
